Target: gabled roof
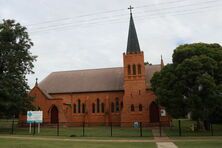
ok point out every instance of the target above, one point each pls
(133, 43)
(91, 80)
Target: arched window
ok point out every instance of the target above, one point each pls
(112, 107)
(134, 69)
(83, 108)
(74, 108)
(79, 106)
(98, 105)
(93, 108)
(54, 114)
(132, 108)
(102, 107)
(129, 70)
(117, 104)
(139, 69)
(140, 107)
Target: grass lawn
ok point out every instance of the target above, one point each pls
(186, 129)
(199, 144)
(15, 143)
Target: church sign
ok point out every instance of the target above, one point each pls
(162, 112)
(34, 116)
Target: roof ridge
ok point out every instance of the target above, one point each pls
(85, 69)
(153, 65)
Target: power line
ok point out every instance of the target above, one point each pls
(121, 15)
(116, 19)
(185, 10)
(83, 21)
(164, 3)
(182, 6)
(103, 12)
(193, 11)
(79, 16)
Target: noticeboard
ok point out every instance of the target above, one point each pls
(34, 116)
(162, 112)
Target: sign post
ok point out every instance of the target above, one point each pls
(38, 128)
(30, 128)
(34, 117)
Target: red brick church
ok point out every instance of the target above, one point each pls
(120, 95)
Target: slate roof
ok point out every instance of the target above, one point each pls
(91, 80)
(133, 43)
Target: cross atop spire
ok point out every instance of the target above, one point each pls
(131, 8)
(36, 81)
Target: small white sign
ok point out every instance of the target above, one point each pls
(136, 124)
(34, 116)
(162, 112)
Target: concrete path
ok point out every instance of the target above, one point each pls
(163, 141)
(166, 145)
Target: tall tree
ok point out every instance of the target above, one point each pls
(192, 83)
(16, 62)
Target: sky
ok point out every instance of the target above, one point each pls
(91, 34)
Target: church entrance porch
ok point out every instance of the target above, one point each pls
(154, 113)
(54, 115)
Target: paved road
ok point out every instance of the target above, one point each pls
(163, 141)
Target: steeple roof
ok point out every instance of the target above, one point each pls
(161, 62)
(133, 43)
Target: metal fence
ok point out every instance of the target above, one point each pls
(190, 128)
(112, 129)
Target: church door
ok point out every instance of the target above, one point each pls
(54, 115)
(154, 112)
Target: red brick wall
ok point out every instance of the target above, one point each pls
(135, 90)
(88, 99)
(66, 113)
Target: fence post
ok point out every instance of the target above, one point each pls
(83, 129)
(13, 120)
(34, 129)
(58, 128)
(211, 129)
(141, 130)
(160, 129)
(111, 129)
(179, 125)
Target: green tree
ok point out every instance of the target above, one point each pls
(16, 62)
(192, 83)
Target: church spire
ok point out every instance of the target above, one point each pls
(133, 43)
(36, 82)
(161, 62)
